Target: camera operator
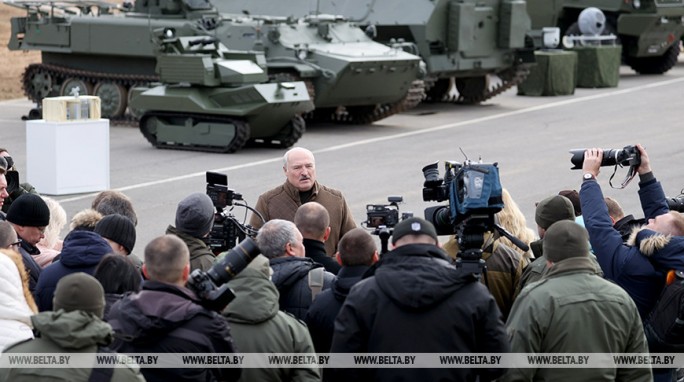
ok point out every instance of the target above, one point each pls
(166, 316)
(3, 190)
(194, 219)
(640, 266)
(417, 301)
(14, 188)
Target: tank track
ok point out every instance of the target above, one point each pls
(509, 78)
(240, 140)
(371, 113)
(62, 73)
(287, 137)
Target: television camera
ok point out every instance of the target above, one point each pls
(383, 217)
(628, 156)
(226, 230)
(475, 196)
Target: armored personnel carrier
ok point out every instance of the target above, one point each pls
(478, 47)
(649, 31)
(213, 99)
(105, 52)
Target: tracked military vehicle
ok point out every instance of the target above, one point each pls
(213, 99)
(648, 30)
(106, 53)
(478, 46)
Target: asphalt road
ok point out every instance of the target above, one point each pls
(528, 136)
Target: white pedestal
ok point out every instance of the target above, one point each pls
(67, 157)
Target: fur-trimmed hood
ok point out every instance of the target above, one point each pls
(650, 244)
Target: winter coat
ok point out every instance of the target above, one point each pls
(504, 270)
(258, 326)
(290, 276)
(164, 318)
(201, 256)
(66, 332)
(82, 251)
(625, 264)
(315, 250)
(34, 270)
(415, 298)
(322, 313)
(283, 201)
(15, 313)
(573, 310)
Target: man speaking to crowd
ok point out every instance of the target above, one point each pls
(301, 187)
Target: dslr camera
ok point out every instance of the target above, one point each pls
(628, 156)
(676, 203)
(211, 287)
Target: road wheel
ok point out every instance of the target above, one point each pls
(113, 98)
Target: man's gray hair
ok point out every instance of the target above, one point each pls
(274, 235)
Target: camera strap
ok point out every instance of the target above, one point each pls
(631, 172)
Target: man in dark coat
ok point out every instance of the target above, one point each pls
(29, 215)
(297, 277)
(357, 252)
(313, 221)
(82, 251)
(418, 302)
(166, 317)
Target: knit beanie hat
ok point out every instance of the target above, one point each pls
(553, 209)
(414, 226)
(29, 210)
(79, 291)
(195, 215)
(565, 239)
(118, 229)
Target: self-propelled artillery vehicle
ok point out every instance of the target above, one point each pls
(214, 99)
(106, 53)
(479, 46)
(648, 30)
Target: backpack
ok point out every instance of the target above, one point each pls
(316, 279)
(664, 327)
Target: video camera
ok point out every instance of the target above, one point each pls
(383, 217)
(226, 230)
(475, 196)
(206, 284)
(629, 156)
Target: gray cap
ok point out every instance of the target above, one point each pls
(565, 239)
(553, 209)
(79, 291)
(195, 215)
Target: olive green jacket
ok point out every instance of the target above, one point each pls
(66, 333)
(574, 310)
(201, 256)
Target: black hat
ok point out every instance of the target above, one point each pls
(29, 210)
(195, 215)
(414, 226)
(553, 209)
(565, 239)
(79, 291)
(118, 229)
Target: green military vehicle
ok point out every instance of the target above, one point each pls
(106, 51)
(648, 30)
(214, 99)
(480, 47)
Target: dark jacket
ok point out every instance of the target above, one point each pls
(164, 318)
(34, 270)
(259, 327)
(417, 302)
(201, 256)
(315, 250)
(572, 309)
(322, 313)
(283, 201)
(82, 251)
(66, 332)
(110, 300)
(627, 224)
(290, 276)
(624, 264)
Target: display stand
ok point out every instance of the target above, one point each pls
(67, 157)
(555, 74)
(598, 66)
